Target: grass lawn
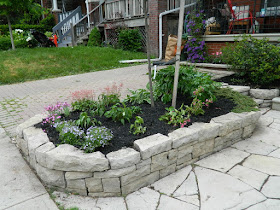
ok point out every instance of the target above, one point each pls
(40, 63)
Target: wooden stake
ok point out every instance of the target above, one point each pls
(178, 53)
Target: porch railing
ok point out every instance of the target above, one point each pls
(70, 26)
(265, 16)
(124, 9)
(62, 29)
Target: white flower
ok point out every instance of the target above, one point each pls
(28, 39)
(19, 31)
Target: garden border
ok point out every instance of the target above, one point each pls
(124, 171)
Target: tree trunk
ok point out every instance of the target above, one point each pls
(178, 53)
(11, 32)
(148, 53)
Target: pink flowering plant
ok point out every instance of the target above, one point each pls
(197, 105)
(215, 57)
(55, 112)
(83, 100)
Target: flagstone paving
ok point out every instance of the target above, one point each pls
(244, 176)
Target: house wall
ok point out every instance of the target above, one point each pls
(155, 8)
(215, 43)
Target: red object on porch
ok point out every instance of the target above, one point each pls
(239, 17)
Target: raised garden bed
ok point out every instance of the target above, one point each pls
(127, 170)
(131, 162)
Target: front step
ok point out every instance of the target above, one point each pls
(276, 103)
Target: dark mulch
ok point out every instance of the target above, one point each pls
(122, 136)
(239, 80)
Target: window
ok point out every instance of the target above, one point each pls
(273, 3)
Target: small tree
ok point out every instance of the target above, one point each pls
(9, 8)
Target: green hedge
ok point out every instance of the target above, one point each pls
(4, 29)
(5, 43)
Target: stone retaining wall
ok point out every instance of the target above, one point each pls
(263, 97)
(126, 170)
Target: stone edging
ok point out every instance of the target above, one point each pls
(124, 171)
(263, 97)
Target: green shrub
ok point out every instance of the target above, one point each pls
(48, 22)
(130, 39)
(94, 38)
(138, 96)
(254, 59)
(5, 43)
(121, 113)
(136, 128)
(189, 81)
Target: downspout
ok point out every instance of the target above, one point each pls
(160, 36)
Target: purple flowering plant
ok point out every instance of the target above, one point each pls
(193, 29)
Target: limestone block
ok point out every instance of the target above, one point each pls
(183, 136)
(94, 185)
(203, 148)
(77, 175)
(115, 173)
(246, 93)
(184, 150)
(266, 103)
(233, 135)
(258, 101)
(126, 179)
(28, 123)
(184, 159)
(77, 191)
(219, 141)
(68, 158)
(123, 158)
(168, 170)
(141, 182)
(172, 154)
(76, 184)
(152, 145)
(248, 131)
(22, 144)
(159, 161)
(229, 122)
(249, 118)
(183, 165)
(264, 93)
(40, 153)
(206, 130)
(111, 185)
(104, 194)
(276, 103)
(144, 163)
(51, 177)
(240, 88)
(35, 138)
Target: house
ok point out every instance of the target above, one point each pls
(109, 15)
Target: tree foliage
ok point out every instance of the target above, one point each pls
(11, 8)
